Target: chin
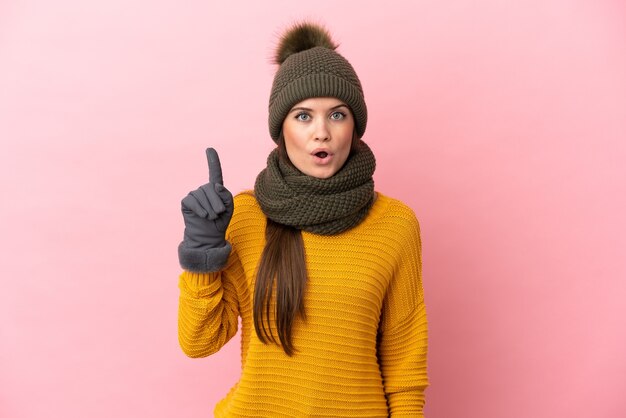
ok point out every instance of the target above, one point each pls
(322, 174)
(325, 176)
(328, 174)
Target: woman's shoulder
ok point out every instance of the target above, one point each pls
(248, 218)
(245, 197)
(389, 207)
(394, 222)
(246, 203)
(394, 219)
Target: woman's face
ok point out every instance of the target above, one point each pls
(318, 135)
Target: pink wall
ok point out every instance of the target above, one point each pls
(502, 125)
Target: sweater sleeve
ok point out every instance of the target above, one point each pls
(208, 309)
(403, 337)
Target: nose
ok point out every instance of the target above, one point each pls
(322, 133)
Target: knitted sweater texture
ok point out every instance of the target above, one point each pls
(361, 352)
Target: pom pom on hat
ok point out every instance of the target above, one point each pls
(310, 67)
(300, 37)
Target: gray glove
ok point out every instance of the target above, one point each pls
(207, 212)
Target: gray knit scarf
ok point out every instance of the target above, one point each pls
(321, 206)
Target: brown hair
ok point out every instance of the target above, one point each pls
(282, 275)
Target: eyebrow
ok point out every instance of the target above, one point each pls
(310, 110)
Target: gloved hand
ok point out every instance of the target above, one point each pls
(207, 212)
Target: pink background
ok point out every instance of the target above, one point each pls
(503, 124)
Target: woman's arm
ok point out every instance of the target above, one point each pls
(402, 352)
(208, 310)
(403, 337)
(209, 287)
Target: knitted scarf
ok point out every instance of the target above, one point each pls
(321, 206)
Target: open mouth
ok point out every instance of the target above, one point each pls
(321, 154)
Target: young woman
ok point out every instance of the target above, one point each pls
(324, 272)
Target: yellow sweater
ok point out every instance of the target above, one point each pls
(361, 351)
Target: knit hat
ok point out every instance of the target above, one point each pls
(310, 67)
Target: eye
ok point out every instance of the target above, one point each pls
(337, 115)
(303, 117)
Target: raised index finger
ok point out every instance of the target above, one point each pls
(215, 168)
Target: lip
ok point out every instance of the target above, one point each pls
(326, 150)
(319, 160)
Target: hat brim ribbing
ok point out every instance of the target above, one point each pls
(317, 85)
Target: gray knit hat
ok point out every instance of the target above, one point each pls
(310, 67)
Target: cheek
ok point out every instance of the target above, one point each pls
(347, 135)
(294, 150)
(293, 132)
(288, 150)
(344, 149)
(290, 136)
